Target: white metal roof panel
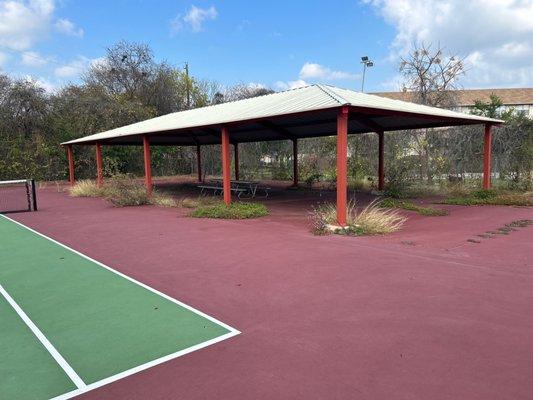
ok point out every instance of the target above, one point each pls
(309, 98)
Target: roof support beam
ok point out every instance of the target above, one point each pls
(226, 161)
(342, 165)
(99, 168)
(147, 165)
(278, 129)
(295, 162)
(487, 152)
(367, 122)
(381, 160)
(236, 154)
(199, 162)
(70, 157)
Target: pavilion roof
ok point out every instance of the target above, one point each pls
(309, 111)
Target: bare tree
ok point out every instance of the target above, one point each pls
(433, 78)
(431, 75)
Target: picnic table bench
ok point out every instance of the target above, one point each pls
(216, 189)
(248, 188)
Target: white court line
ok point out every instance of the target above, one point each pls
(232, 331)
(142, 367)
(45, 342)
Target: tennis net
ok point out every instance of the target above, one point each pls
(17, 196)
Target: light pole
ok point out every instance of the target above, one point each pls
(366, 63)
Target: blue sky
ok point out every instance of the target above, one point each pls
(279, 44)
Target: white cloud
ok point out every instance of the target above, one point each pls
(74, 68)
(313, 71)
(194, 19)
(68, 28)
(47, 85)
(33, 59)
(256, 85)
(317, 71)
(494, 36)
(22, 23)
(291, 84)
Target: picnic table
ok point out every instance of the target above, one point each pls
(248, 189)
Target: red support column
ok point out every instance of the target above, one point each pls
(342, 165)
(381, 160)
(147, 165)
(226, 172)
(294, 162)
(487, 151)
(236, 148)
(199, 162)
(70, 157)
(99, 169)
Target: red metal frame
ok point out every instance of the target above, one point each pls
(99, 163)
(199, 162)
(295, 162)
(70, 157)
(236, 149)
(342, 165)
(487, 152)
(147, 165)
(381, 161)
(226, 170)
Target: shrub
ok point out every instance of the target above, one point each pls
(483, 198)
(86, 188)
(124, 190)
(484, 194)
(371, 220)
(237, 210)
(407, 205)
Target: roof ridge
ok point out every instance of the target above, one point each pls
(334, 95)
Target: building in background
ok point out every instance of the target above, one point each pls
(520, 99)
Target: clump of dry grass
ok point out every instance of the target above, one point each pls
(86, 188)
(371, 220)
(188, 202)
(163, 200)
(122, 190)
(374, 220)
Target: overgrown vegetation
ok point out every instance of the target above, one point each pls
(491, 197)
(370, 220)
(410, 206)
(130, 85)
(236, 210)
(86, 188)
(122, 191)
(125, 190)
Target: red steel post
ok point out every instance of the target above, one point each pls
(199, 162)
(487, 151)
(70, 157)
(99, 169)
(294, 162)
(381, 160)
(342, 165)
(236, 148)
(147, 165)
(226, 173)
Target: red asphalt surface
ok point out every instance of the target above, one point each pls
(419, 314)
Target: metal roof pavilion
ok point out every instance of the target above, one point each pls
(309, 111)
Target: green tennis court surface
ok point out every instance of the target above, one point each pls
(69, 324)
